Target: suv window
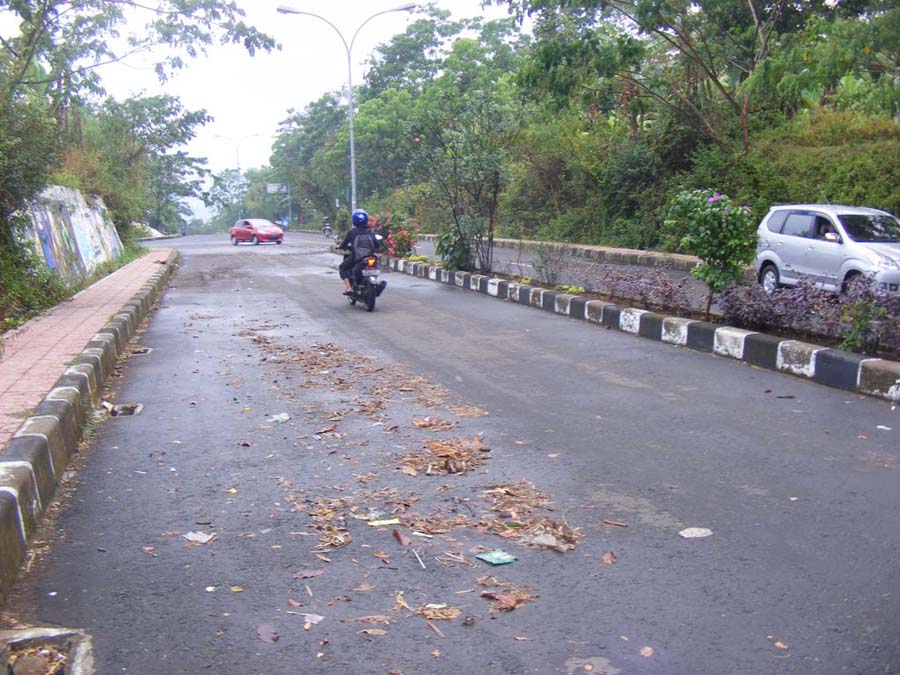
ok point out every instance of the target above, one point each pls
(776, 220)
(823, 226)
(798, 224)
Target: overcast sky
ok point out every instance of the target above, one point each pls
(248, 96)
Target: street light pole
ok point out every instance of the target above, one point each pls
(349, 49)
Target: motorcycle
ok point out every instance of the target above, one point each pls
(364, 284)
(326, 230)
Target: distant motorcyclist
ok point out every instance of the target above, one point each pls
(361, 242)
(326, 226)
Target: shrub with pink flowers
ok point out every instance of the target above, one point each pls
(399, 234)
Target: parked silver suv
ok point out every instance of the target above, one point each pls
(829, 245)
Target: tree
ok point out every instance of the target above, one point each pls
(168, 180)
(409, 62)
(127, 153)
(51, 64)
(464, 150)
(225, 196)
(303, 138)
(61, 43)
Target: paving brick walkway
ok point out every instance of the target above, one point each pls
(35, 355)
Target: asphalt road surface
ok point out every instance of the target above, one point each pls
(284, 421)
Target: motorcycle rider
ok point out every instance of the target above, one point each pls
(326, 226)
(360, 241)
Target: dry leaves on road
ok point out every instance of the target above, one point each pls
(508, 600)
(433, 424)
(436, 523)
(374, 619)
(504, 596)
(267, 633)
(448, 456)
(333, 537)
(439, 612)
(516, 499)
(538, 532)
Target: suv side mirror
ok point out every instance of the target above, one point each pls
(833, 236)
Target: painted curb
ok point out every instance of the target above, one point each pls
(833, 368)
(35, 458)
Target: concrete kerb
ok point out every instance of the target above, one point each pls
(35, 459)
(831, 367)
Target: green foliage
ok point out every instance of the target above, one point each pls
(864, 320)
(573, 290)
(831, 157)
(424, 259)
(28, 149)
(27, 287)
(455, 249)
(720, 233)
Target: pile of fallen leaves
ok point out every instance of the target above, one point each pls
(538, 532)
(431, 423)
(514, 500)
(436, 523)
(504, 596)
(41, 660)
(448, 456)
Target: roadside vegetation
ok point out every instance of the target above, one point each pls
(590, 127)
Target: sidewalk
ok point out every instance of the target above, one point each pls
(51, 374)
(36, 354)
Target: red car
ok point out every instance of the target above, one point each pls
(256, 230)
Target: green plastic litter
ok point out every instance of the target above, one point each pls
(497, 557)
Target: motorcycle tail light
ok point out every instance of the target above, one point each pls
(370, 262)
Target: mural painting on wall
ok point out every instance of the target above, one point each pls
(72, 236)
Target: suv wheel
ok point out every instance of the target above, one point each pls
(769, 277)
(849, 280)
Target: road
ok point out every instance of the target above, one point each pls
(631, 440)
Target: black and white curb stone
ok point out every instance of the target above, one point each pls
(831, 367)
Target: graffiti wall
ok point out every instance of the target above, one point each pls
(71, 235)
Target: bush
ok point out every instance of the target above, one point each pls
(860, 319)
(399, 235)
(455, 250)
(720, 233)
(550, 263)
(28, 287)
(653, 289)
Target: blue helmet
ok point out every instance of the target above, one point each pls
(360, 217)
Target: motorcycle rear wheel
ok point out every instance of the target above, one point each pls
(371, 294)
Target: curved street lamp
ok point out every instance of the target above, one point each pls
(348, 47)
